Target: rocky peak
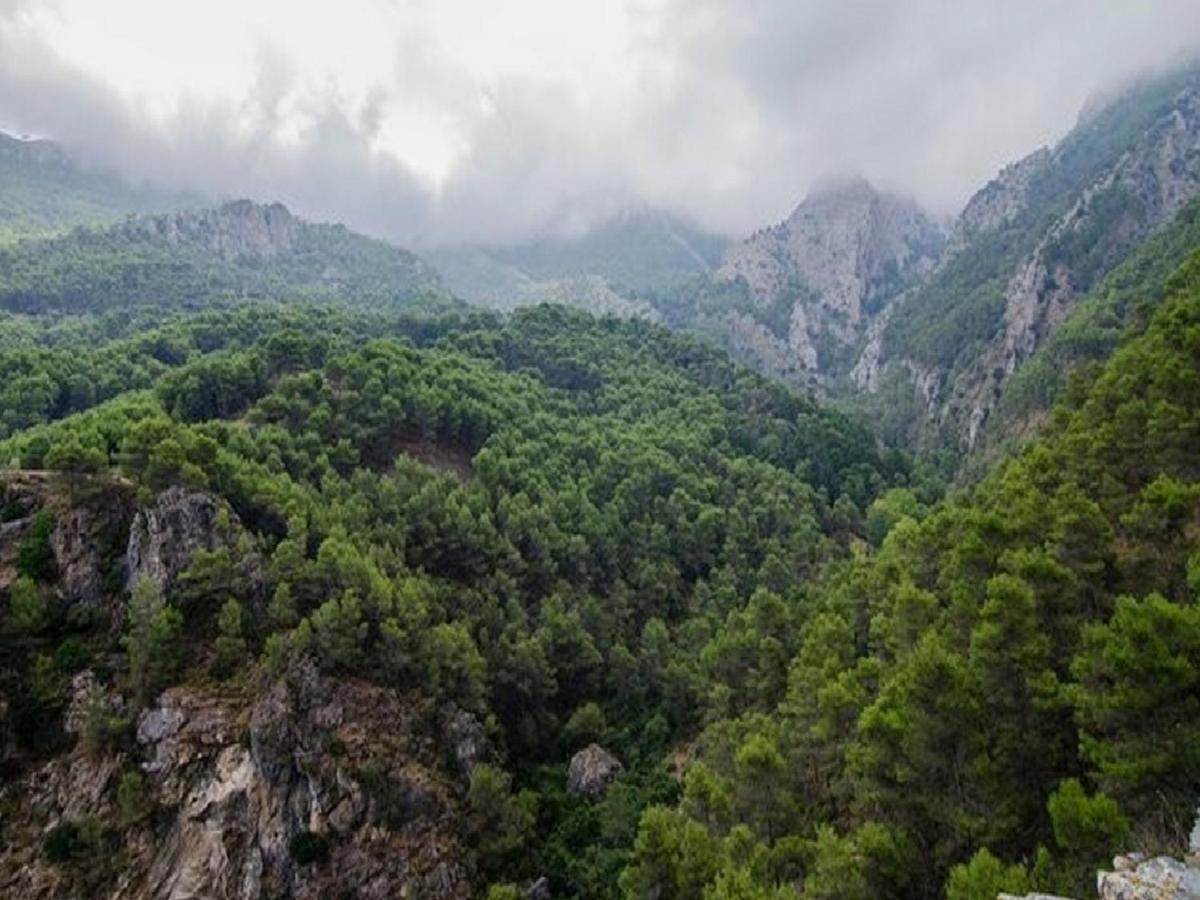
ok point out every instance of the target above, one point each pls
(831, 268)
(241, 229)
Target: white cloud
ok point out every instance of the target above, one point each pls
(449, 119)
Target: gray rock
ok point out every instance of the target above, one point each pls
(466, 738)
(836, 263)
(591, 771)
(1161, 878)
(538, 889)
(165, 536)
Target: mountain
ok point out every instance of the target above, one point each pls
(1023, 252)
(998, 698)
(192, 257)
(44, 192)
(330, 601)
(611, 269)
(819, 279)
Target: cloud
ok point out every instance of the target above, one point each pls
(427, 121)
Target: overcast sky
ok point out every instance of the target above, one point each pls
(443, 120)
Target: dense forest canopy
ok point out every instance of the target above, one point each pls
(575, 606)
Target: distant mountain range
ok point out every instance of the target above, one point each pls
(858, 294)
(240, 249)
(46, 192)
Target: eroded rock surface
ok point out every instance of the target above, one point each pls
(591, 771)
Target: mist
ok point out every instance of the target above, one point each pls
(428, 123)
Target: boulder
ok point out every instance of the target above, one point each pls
(1160, 878)
(591, 771)
(465, 738)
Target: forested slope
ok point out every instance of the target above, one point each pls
(241, 249)
(1012, 677)
(568, 530)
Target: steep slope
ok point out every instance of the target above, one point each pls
(817, 280)
(43, 192)
(237, 250)
(610, 269)
(331, 600)
(1024, 250)
(1001, 696)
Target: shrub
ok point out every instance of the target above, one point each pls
(35, 556)
(309, 847)
(63, 843)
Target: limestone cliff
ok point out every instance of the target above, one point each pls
(822, 276)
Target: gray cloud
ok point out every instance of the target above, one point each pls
(741, 106)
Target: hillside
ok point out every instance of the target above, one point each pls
(392, 584)
(43, 192)
(1000, 696)
(1025, 249)
(241, 249)
(609, 270)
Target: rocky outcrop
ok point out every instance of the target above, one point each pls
(591, 771)
(240, 785)
(86, 542)
(91, 521)
(241, 229)
(834, 263)
(1070, 219)
(1136, 878)
(465, 738)
(166, 535)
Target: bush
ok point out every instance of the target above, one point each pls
(35, 557)
(71, 656)
(309, 847)
(63, 843)
(132, 799)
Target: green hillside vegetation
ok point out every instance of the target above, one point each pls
(996, 697)
(641, 251)
(570, 527)
(43, 193)
(138, 263)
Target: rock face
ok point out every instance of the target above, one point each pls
(826, 273)
(240, 229)
(997, 204)
(591, 771)
(235, 782)
(165, 536)
(89, 532)
(1161, 878)
(1065, 224)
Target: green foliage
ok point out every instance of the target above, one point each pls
(309, 848)
(587, 724)
(28, 609)
(230, 646)
(984, 877)
(133, 799)
(1088, 830)
(1139, 703)
(35, 556)
(497, 821)
(152, 640)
